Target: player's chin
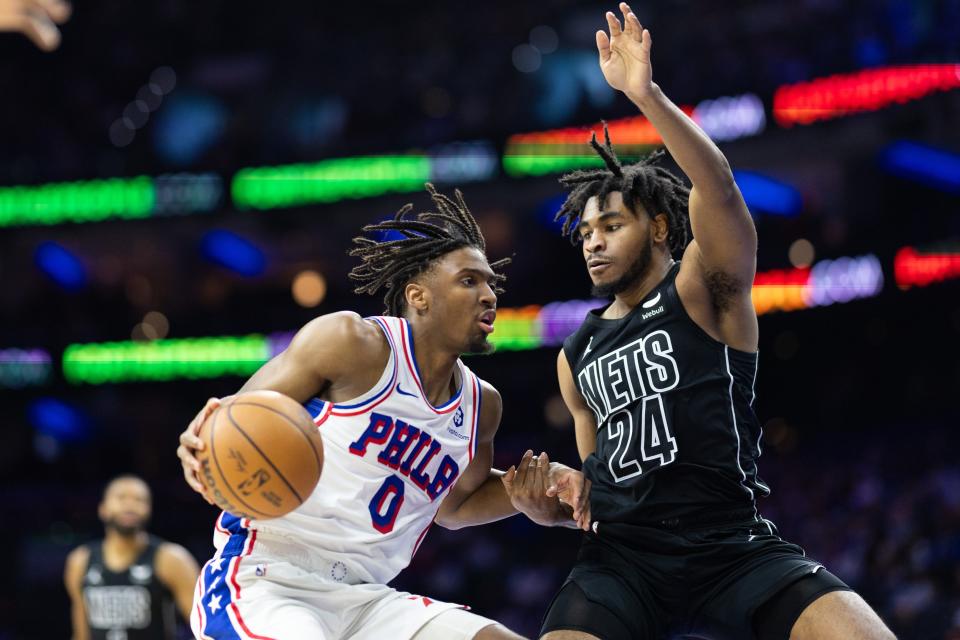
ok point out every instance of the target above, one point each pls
(480, 345)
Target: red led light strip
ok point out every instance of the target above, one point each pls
(870, 90)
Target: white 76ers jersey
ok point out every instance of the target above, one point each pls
(389, 459)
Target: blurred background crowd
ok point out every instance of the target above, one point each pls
(179, 183)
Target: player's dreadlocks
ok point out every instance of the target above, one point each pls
(427, 237)
(658, 190)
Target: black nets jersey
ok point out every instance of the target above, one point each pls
(127, 605)
(676, 433)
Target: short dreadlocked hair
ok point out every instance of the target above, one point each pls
(657, 189)
(427, 237)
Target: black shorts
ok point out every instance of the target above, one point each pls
(644, 582)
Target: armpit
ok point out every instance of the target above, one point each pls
(723, 289)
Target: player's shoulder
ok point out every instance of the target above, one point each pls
(489, 393)
(79, 554)
(172, 556)
(344, 330)
(77, 562)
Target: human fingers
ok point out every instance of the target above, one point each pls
(33, 24)
(614, 24)
(541, 480)
(523, 468)
(56, 10)
(603, 45)
(507, 478)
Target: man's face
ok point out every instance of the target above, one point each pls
(126, 506)
(617, 244)
(461, 301)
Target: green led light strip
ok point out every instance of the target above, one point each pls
(88, 201)
(328, 181)
(163, 360)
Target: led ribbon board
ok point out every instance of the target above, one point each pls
(120, 198)
(827, 282)
(919, 268)
(870, 90)
(24, 368)
(361, 177)
(163, 360)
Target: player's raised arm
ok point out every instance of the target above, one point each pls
(725, 240)
(324, 357)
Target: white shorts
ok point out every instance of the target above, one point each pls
(261, 596)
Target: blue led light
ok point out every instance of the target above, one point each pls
(764, 194)
(933, 167)
(59, 420)
(233, 252)
(61, 266)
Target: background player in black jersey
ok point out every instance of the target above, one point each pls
(125, 586)
(660, 383)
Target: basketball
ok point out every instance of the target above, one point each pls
(262, 455)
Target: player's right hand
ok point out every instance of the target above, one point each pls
(190, 443)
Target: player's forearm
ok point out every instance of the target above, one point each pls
(695, 153)
(488, 503)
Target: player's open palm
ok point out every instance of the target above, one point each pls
(625, 54)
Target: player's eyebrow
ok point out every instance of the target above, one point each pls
(486, 274)
(603, 217)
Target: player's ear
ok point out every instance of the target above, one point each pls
(660, 228)
(418, 297)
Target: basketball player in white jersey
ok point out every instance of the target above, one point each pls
(408, 440)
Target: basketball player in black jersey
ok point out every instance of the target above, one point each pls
(125, 586)
(660, 383)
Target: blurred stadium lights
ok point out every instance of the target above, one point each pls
(61, 266)
(538, 153)
(764, 194)
(460, 162)
(96, 200)
(58, 420)
(517, 329)
(162, 360)
(527, 154)
(189, 125)
(309, 288)
(827, 282)
(921, 267)
(731, 118)
(542, 152)
(869, 90)
(548, 209)
(234, 252)
(24, 368)
(329, 180)
(927, 165)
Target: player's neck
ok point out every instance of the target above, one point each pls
(436, 367)
(121, 550)
(625, 301)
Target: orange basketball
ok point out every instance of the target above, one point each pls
(263, 455)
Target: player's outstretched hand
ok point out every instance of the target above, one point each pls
(625, 54)
(526, 485)
(36, 19)
(573, 489)
(190, 443)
